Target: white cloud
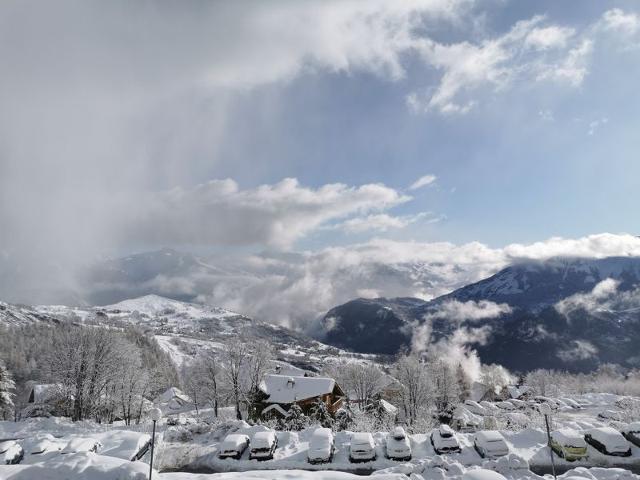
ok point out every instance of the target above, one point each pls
(596, 124)
(621, 21)
(470, 311)
(548, 37)
(578, 350)
(383, 222)
(605, 298)
(219, 212)
(528, 50)
(423, 181)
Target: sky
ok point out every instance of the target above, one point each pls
(275, 128)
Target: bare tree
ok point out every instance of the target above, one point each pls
(415, 392)
(363, 380)
(235, 359)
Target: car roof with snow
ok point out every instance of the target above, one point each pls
(608, 436)
(568, 437)
(361, 438)
(633, 427)
(286, 389)
(489, 436)
(263, 439)
(234, 440)
(482, 474)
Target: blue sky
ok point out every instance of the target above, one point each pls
(288, 126)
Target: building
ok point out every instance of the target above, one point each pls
(279, 392)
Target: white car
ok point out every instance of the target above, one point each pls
(475, 407)
(82, 444)
(263, 445)
(444, 440)
(233, 446)
(321, 446)
(398, 446)
(362, 448)
(571, 402)
(616, 415)
(490, 444)
(10, 453)
(519, 404)
(608, 441)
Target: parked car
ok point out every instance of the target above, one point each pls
(482, 474)
(571, 402)
(505, 405)
(490, 407)
(263, 445)
(616, 415)
(632, 433)
(475, 407)
(490, 444)
(519, 404)
(398, 446)
(40, 443)
(568, 444)
(608, 441)
(321, 446)
(233, 446)
(363, 447)
(81, 445)
(11, 453)
(444, 440)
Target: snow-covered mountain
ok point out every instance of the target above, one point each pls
(181, 328)
(562, 313)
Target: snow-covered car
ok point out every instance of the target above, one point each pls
(362, 448)
(263, 445)
(490, 444)
(39, 444)
(475, 407)
(571, 402)
(82, 444)
(632, 433)
(11, 453)
(444, 440)
(490, 407)
(321, 446)
(608, 441)
(398, 446)
(568, 444)
(482, 474)
(519, 404)
(505, 405)
(616, 415)
(233, 446)
(541, 399)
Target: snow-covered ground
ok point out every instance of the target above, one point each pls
(193, 447)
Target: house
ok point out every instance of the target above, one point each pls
(279, 392)
(521, 392)
(173, 400)
(47, 399)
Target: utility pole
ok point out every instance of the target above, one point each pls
(156, 415)
(546, 411)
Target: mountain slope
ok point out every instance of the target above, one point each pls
(181, 328)
(528, 331)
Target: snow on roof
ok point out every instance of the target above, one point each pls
(478, 391)
(489, 435)
(610, 437)
(482, 474)
(632, 427)
(172, 393)
(285, 389)
(517, 392)
(389, 408)
(277, 408)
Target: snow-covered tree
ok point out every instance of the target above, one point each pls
(7, 387)
(416, 386)
(235, 359)
(320, 414)
(296, 420)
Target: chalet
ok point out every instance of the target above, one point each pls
(279, 392)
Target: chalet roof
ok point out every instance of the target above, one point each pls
(276, 408)
(288, 389)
